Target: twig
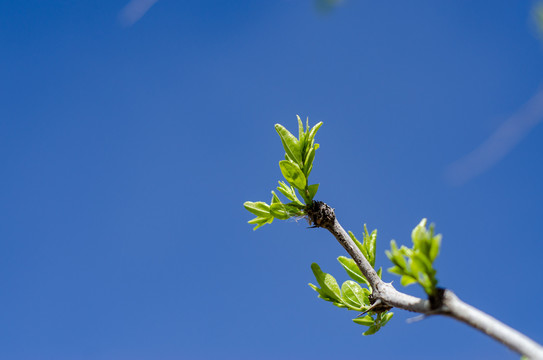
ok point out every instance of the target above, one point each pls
(449, 304)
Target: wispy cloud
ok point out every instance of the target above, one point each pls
(327, 6)
(134, 10)
(503, 140)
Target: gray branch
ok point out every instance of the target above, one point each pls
(449, 304)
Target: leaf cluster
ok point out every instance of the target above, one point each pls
(352, 295)
(415, 265)
(298, 163)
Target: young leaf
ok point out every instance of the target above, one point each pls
(275, 199)
(313, 132)
(366, 320)
(352, 294)
(386, 318)
(258, 208)
(293, 174)
(322, 295)
(395, 256)
(358, 244)
(372, 330)
(279, 212)
(419, 232)
(301, 132)
(396, 270)
(312, 190)
(260, 221)
(327, 282)
(308, 170)
(284, 211)
(290, 143)
(288, 191)
(422, 262)
(352, 270)
(298, 206)
(369, 243)
(434, 247)
(308, 162)
(407, 280)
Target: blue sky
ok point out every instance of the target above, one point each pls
(127, 152)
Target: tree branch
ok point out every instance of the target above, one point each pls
(448, 304)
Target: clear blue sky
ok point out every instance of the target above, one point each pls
(126, 153)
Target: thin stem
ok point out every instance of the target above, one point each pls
(489, 325)
(348, 244)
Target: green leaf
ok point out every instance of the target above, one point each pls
(293, 174)
(405, 251)
(284, 211)
(308, 161)
(352, 294)
(386, 318)
(380, 272)
(312, 190)
(352, 270)
(275, 199)
(396, 270)
(288, 158)
(290, 143)
(395, 256)
(434, 247)
(313, 132)
(260, 221)
(322, 295)
(298, 206)
(370, 241)
(279, 212)
(419, 232)
(407, 280)
(327, 282)
(358, 244)
(301, 132)
(309, 170)
(289, 192)
(258, 208)
(366, 320)
(367, 293)
(372, 330)
(380, 321)
(417, 268)
(426, 283)
(424, 263)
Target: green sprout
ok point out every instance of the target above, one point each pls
(415, 265)
(298, 163)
